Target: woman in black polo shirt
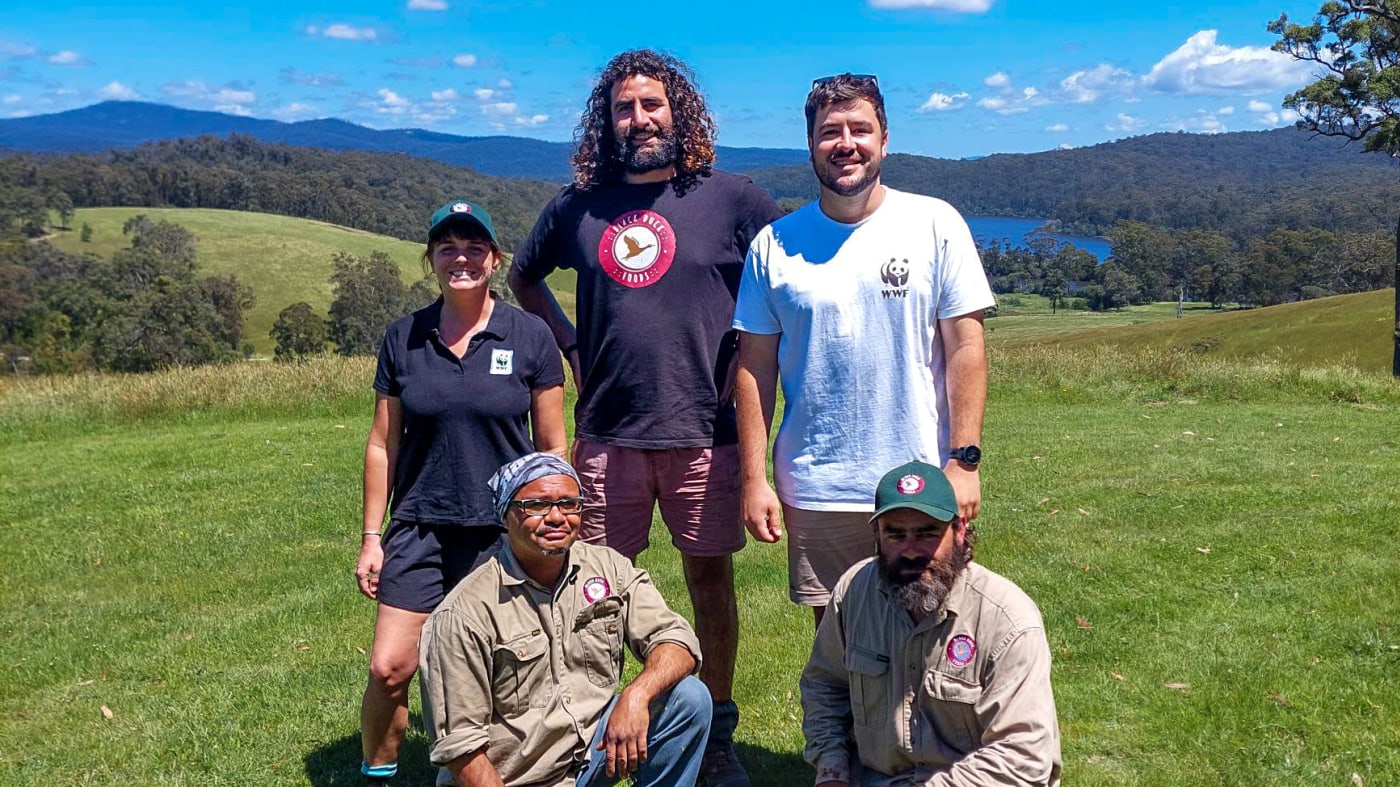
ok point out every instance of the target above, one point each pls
(463, 386)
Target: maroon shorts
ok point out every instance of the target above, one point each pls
(697, 490)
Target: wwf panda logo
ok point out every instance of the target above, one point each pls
(895, 273)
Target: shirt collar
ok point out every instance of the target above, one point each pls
(496, 327)
(513, 574)
(953, 603)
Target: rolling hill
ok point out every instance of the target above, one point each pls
(283, 259)
(1343, 330)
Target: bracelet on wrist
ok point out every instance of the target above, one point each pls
(364, 533)
(570, 349)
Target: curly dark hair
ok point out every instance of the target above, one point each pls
(596, 161)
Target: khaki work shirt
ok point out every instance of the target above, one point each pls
(527, 671)
(963, 698)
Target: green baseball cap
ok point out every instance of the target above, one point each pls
(917, 485)
(462, 210)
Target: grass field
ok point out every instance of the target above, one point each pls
(1350, 330)
(1211, 541)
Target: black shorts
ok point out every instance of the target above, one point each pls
(423, 562)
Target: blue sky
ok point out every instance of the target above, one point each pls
(961, 77)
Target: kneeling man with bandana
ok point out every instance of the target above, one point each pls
(521, 661)
(928, 670)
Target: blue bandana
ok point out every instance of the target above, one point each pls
(519, 472)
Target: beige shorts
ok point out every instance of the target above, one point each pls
(821, 546)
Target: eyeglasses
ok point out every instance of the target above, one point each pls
(871, 78)
(535, 506)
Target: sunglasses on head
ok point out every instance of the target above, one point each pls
(857, 77)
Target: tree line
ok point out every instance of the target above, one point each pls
(383, 193)
(1152, 263)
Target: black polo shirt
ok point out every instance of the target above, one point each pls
(462, 418)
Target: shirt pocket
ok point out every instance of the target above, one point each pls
(869, 684)
(948, 704)
(520, 675)
(601, 640)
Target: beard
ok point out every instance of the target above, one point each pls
(923, 584)
(850, 188)
(639, 160)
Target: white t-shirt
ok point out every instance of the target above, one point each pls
(860, 359)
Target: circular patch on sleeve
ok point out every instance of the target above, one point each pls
(961, 650)
(595, 589)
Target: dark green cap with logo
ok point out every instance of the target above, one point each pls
(917, 485)
(462, 210)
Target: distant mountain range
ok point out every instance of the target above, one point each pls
(126, 124)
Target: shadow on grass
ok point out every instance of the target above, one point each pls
(774, 769)
(337, 763)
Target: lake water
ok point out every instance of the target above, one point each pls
(1012, 230)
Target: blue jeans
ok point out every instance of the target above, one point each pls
(680, 724)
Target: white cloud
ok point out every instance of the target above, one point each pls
(68, 58)
(1260, 106)
(942, 102)
(233, 109)
(1085, 86)
(427, 5)
(1203, 123)
(956, 6)
(220, 98)
(464, 60)
(116, 91)
(500, 108)
(344, 32)
(1125, 122)
(445, 95)
(1057, 128)
(1281, 117)
(17, 49)
(533, 120)
(12, 98)
(294, 111)
(391, 100)
(504, 84)
(1225, 111)
(1203, 66)
(997, 80)
(1029, 92)
(993, 103)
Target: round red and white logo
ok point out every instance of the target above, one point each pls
(911, 484)
(595, 589)
(637, 248)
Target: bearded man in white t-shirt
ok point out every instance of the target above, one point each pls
(867, 304)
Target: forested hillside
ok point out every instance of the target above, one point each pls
(1245, 185)
(379, 192)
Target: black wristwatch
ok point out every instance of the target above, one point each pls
(969, 455)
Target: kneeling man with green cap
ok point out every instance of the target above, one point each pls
(928, 670)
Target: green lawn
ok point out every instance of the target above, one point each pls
(1212, 545)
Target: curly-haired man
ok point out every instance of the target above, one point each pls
(658, 238)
